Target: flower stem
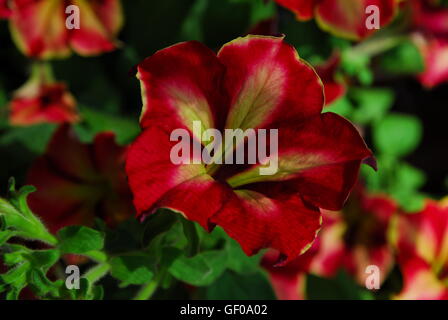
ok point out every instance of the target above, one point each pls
(97, 256)
(147, 290)
(97, 272)
(375, 46)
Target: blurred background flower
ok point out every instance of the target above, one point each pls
(39, 27)
(42, 100)
(87, 180)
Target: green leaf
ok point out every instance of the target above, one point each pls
(239, 262)
(95, 122)
(191, 234)
(200, 270)
(232, 286)
(192, 27)
(409, 177)
(158, 223)
(372, 104)
(341, 287)
(97, 293)
(397, 134)
(17, 216)
(34, 138)
(80, 239)
(15, 274)
(43, 259)
(5, 236)
(41, 285)
(409, 201)
(403, 59)
(15, 255)
(132, 269)
(84, 287)
(342, 107)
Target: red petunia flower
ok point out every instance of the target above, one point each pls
(39, 27)
(357, 237)
(351, 240)
(253, 82)
(435, 55)
(430, 18)
(41, 100)
(77, 182)
(422, 245)
(431, 37)
(344, 18)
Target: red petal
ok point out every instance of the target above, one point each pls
(347, 18)
(38, 28)
(433, 20)
(258, 222)
(182, 83)
(267, 82)
(304, 9)
(420, 282)
(100, 22)
(151, 172)
(435, 54)
(422, 242)
(319, 159)
(333, 88)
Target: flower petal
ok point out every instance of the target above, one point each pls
(151, 172)
(434, 20)
(330, 248)
(320, 159)
(435, 54)
(347, 18)
(38, 28)
(333, 88)
(424, 234)
(267, 82)
(304, 9)
(101, 20)
(419, 281)
(288, 282)
(181, 83)
(257, 221)
(49, 103)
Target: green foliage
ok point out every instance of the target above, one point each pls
(34, 138)
(79, 240)
(132, 269)
(341, 287)
(200, 270)
(403, 59)
(232, 286)
(18, 220)
(372, 104)
(239, 262)
(95, 122)
(397, 134)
